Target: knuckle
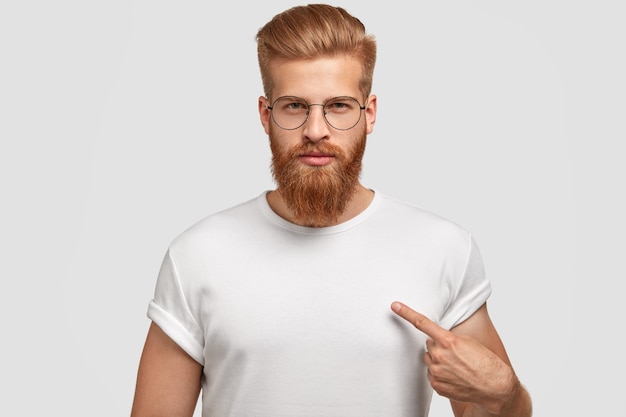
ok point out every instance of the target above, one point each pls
(419, 321)
(437, 386)
(448, 340)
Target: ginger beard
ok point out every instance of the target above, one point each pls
(317, 195)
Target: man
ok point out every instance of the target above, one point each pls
(280, 306)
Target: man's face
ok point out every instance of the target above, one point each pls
(317, 167)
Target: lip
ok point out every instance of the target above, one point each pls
(317, 158)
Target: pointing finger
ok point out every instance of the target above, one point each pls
(420, 321)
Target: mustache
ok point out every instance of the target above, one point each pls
(325, 148)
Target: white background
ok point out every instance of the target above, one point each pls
(124, 122)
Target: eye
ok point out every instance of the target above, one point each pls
(292, 105)
(341, 105)
(295, 105)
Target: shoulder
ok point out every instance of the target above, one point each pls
(218, 227)
(416, 219)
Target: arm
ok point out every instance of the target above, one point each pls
(168, 381)
(503, 391)
(469, 365)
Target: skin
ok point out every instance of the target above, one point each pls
(168, 381)
(468, 364)
(324, 78)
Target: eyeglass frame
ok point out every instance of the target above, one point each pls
(308, 112)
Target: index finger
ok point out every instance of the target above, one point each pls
(420, 321)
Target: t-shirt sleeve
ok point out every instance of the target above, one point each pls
(470, 292)
(169, 310)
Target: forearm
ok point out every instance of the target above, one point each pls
(518, 404)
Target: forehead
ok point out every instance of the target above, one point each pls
(316, 79)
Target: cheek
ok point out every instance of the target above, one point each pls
(278, 144)
(283, 139)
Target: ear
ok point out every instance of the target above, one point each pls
(370, 113)
(264, 114)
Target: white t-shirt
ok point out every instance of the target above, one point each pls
(295, 321)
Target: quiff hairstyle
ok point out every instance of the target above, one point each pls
(315, 31)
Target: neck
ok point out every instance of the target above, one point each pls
(359, 202)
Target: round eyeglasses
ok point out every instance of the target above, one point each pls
(341, 113)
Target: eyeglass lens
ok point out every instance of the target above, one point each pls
(342, 113)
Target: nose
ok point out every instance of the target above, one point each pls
(316, 128)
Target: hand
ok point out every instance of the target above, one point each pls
(460, 367)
